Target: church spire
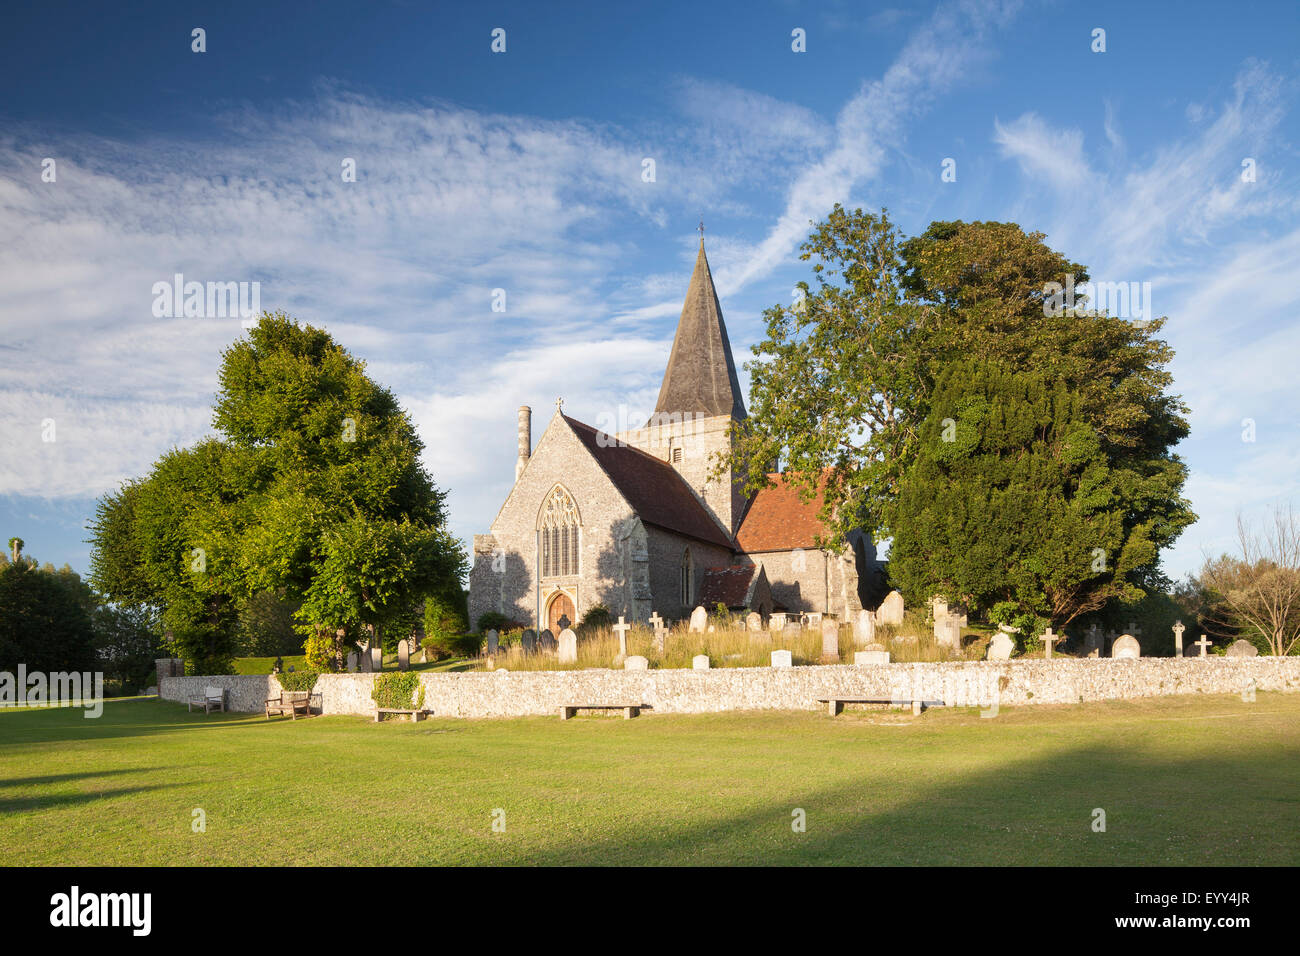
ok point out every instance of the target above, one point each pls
(701, 374)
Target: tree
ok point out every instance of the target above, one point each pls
(127, 642)
(845, 377)
(44, 618)
(1009, 502)
(313, 491)
(1257, 593)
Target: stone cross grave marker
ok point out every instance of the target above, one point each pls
(621, 629)
(1242, 648)
(699, 620)
(1049, 639)
(782, 659)
(636, 663)
(492, 641)
(568, 647)
(661, 632)
(1203, 644)
(830, 640)
(404, 654)
(564, 621)
(529, 640)
(1126, 646)
(1179, 627)
(700, 662)
(1092, 646)
(1133, 629)
(352, 662)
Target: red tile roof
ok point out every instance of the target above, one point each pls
(654, 490)
(780, 520)
(727, 586)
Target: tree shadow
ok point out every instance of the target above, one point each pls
(52, 801)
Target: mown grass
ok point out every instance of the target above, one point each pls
(1191, 780)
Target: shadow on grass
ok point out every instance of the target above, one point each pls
(64, 777)
(1031, 813)
(127, 717)
(52, 801)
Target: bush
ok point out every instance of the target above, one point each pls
(492, 621)
(297, 680)
(597, 617)
(398, 691)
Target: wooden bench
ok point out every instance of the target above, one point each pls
(414, 714)
(214, 698)
(629, 710)
(836, 704)
(291, 702)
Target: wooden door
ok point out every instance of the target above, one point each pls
(560, 606)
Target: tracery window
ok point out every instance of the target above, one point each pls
(559, 533)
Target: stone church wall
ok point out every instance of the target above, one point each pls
(666, 550)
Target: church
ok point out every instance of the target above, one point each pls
(634, 521)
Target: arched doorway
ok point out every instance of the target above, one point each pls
(561, 605)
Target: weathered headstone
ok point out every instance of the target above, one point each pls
(812, 619)
(699, 620)
(864, 628)
(1126, 646)
(871, 654)
(1204, 644)
(776, 621)
(782, 659)
(947, 632)
(636, 663)
(352, 662)
(492, 641)
(1179, 628)
(891, 609)
(712, 628)
(1241, 648)
(367, 661)
(700, 662)
(1093, 642)
(377, 657)
(568, 647)
(1000, 647)
(1048, 640)
(621, 629)
(830, 640)
(753, 621)
(661, 631)
(529, 641)
(404, 655)
(546, 641)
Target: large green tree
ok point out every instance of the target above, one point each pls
(314, 491)
(45, 620)
(846, 375)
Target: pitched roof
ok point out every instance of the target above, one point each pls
(731, 586)
(701, 374)
(654, 490)
(778, 519)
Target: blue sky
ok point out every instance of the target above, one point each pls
(522, 171)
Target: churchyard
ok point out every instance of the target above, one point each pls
(1180, 781)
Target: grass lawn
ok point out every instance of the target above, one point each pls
(1190, 780)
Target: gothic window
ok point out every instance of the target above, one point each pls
(688, 577)
(559, 533)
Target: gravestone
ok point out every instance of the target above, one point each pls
(699, 620)
(564, 621)
(864, 628)
(830, 640)
(403, 655)
(1179, 628)
(1000, 647)
(568, 647)
(782, 659)
(661, 631)
(529, 641)
(813, 619)
(1204, 644)
(947, 632)
(621, 629)
(700, 662)
(712, 628)
(1126, 646)
(546, 641)
(352, 662)
(776, 621)
(492, 641)
(367, 661)
(1240, 648)
(891, 609)
(377, 657)
(1092, 643)
(871, 654)
(1048, 640)
(636, 663)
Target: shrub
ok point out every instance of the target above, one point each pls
(398, 691)
(493, 621)
(298, 680)
(597, 617)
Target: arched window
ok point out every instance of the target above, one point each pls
(558, 527)
(688, 578)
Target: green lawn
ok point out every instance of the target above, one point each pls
(1194, 780)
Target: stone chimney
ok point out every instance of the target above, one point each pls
(525, 440)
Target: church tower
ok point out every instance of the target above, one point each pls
(699, 400)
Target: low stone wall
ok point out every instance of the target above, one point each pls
(503, 693)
